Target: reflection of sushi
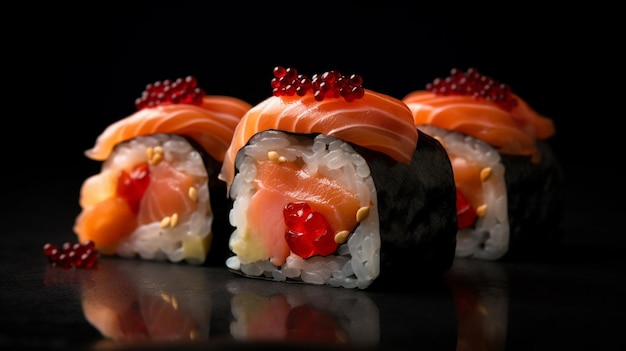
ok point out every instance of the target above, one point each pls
(508, 180)
(302, 315)
(482, 309)
(138, 301)
(153, 197)
(329, 189)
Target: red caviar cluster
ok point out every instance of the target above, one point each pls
(80, 255)
(308, 232)
(331, 84)
(473, 83)
(466, 214)
(132, 185)
(180, 91)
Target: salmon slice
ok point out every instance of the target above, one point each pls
(376, 121)
(279, 184)
(167, 194)
(98, 188)
(512, 132)
(324, 195)
(107, 224)
(211, 125)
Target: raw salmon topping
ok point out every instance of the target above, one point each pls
(210, 123)
(478, 106)
(180, 91)
(473, 83)
(375, 121)
(331, 84)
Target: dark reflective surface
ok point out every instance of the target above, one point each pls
(571, 299)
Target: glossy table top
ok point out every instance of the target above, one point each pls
(561, 302)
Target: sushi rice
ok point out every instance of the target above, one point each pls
(355, 264)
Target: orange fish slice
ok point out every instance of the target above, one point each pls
(376, 121)
(211, 125)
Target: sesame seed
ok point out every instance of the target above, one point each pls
(481, 210)
(341, 236)
(174, 220)
(485, 173)
(272, 155)
(156, 158)
(193, 193)
(362, 213)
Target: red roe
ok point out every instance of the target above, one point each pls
(308, 232)
(180, 91)
(80, 255)
(473, 83)
(330, 84)
(465, 213)
(132, 185)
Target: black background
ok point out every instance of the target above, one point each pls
(77, 68)
(72, 69)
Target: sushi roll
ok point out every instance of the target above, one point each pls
(157, 195)
(509, 181)
(332, 184)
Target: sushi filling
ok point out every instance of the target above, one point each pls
(479, 176)
(304, 209)
(172, 215)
